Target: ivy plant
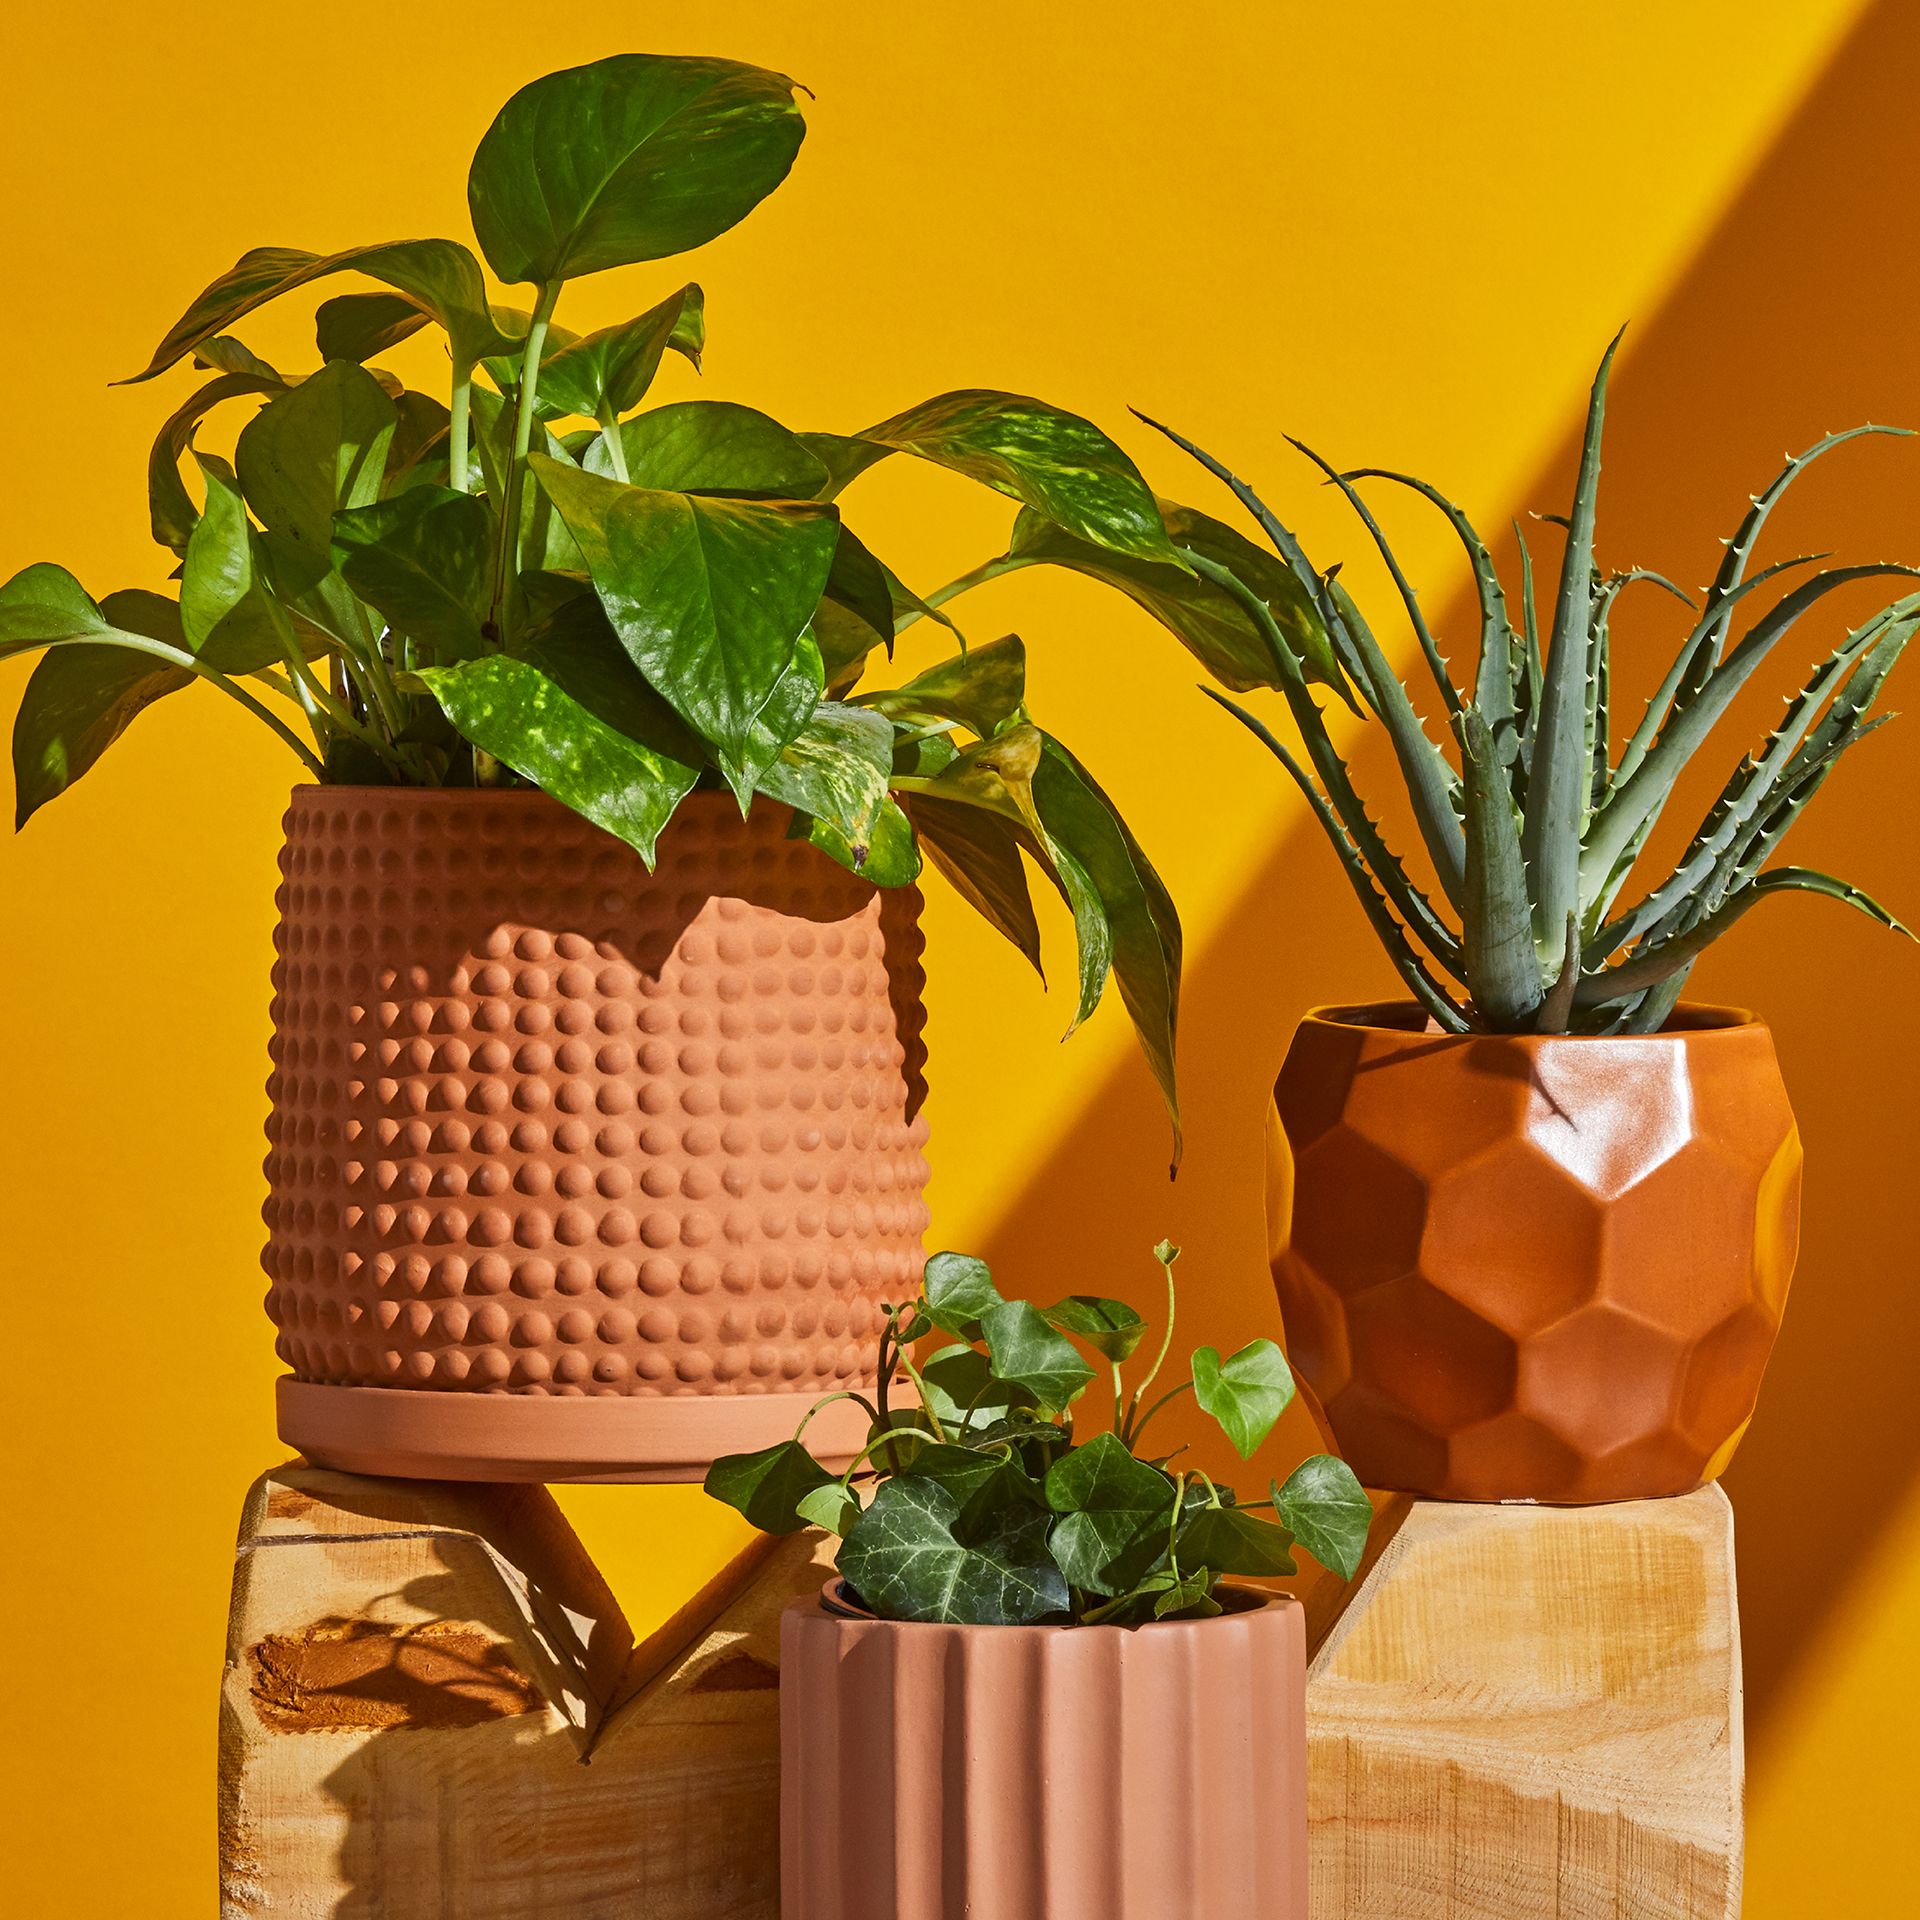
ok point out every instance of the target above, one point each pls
(980, 1502)
(538, 576)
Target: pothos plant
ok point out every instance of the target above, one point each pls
(1538, 822)
(532, 577)
(985, 1505)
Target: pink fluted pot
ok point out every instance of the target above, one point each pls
(1044, 1773)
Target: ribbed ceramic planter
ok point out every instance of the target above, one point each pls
(1044, 1773)
(578, 1172)
(1534, 1268)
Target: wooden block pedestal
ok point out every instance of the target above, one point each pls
(433, 1710)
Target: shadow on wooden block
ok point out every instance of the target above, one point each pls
(433, 1710)
(1532, 1713)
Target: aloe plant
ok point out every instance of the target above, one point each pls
(980, 1501)
(536, 576)
(1535, 824)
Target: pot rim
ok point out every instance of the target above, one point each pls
(1253, 1601)
(1704, 1020)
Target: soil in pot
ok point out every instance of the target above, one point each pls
(578, 1172)
(1522, 1267)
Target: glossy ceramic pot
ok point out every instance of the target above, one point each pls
(1523, 1267)
(577, 1171)
(932, 1772)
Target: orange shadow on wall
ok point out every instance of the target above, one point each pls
(1791, 319)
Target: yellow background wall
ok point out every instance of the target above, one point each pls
(1403, 231)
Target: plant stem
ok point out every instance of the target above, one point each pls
(338, 715)
(827, 1400)
(1159, 1359)
(178, 657)
(977, 576)
(920, 1387)
(460, 430)
(610, 439)
(1140, 1425)
(523, 437)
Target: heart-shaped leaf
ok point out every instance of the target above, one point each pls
(223, 600)
(1111, 1327)
(982, 689)
(835, 768)
(171, 507)
(902, 1558)
(711, 446)
(440, 276)
(768, 1486)
(356, 326)
(833, 1507)
(610, 370)
(314, 449)
(1328, 1511)
(1214, 627)
(962, 1393)
(980, 855)
(1246, 1393)
(424, 561)
(631, 158)
(1231, 1540)
(1116, 1515)
(80, 699)
(709, 597)
(1054, 462)
(1023, 1349)
(576, 720)
(959, 1289)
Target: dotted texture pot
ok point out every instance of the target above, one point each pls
(1534, 1268)
(935, 1772)
(577, 1172)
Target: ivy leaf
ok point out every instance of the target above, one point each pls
(903, 1559)
(833, 1506)
(1115, 1515)
(631, 158)
(1187, 1596)
(710, 446)
(709, 597)
(1328, 1511)
(1246, 1392)
(768, 1486)
(1231, 1540)
(611, 370)
(959, 1289)
(1023, 1349)
(424, 562)
(1111, 1327)
(962, 1393)
(1054, 462)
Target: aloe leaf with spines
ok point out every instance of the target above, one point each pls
(1552, 821)
(984, 1499)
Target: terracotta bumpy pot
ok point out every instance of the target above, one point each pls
(577, 1171)
(934, 1772)
(1525, 1267)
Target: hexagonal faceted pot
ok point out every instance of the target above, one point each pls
(579, 1172)
(1525, 1267)
(932, 1772)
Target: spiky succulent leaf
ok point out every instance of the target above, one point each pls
(1503, 963)
(1559, 784)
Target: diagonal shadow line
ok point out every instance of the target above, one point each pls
(1789, 319)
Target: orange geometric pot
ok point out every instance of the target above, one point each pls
(578, 1172)
(933, 1772)
(1525, 1267)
